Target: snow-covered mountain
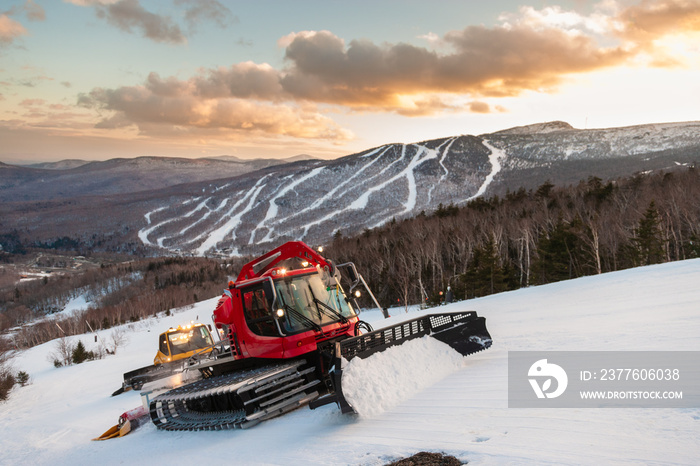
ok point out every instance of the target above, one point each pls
(313, 200)
(463, 411)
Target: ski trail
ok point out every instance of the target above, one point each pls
(143, 233)
(190, 201)
(218, 235)
(335, 213)
(202, 205)
(361, 202)
(148, 215)
(375, 151)
(418, 159)
(318, 202)
(274, 208)
(444, 154)
(204, 217)
(495, 159)
(442, 157)
(411, 179)
(216, 190)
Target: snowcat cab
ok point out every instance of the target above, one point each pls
(183, 342)
(284, 305)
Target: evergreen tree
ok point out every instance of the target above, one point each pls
(485, 276)
(7, 381)
(22, 378)
(557, 253)
(80, 354)
(545, 189)
(693, 246)
(648, 240)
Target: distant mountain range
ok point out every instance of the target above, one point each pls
(74, 178)
(226, 206)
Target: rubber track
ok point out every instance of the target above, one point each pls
(237, 400)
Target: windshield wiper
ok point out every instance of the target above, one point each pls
(326, 308)
(329, 310)
(302, 318)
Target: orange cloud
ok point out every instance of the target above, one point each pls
(10, 30)
(651, 19)
(479, 107)
(501, 61)
(169, 105)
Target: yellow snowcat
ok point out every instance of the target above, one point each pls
(183, 342)
(175, 346)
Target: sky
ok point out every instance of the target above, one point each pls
(99, 79)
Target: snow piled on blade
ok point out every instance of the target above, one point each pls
(384, 380)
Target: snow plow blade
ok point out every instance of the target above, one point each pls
(128, 421)
(465, 332)
(114, 431)
(134, 380)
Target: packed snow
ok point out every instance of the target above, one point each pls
(459, 409)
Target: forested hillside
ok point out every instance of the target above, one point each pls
(530, 237)
(115, 294)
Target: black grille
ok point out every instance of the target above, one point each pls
(370, 343)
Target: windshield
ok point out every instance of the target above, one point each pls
(186, 340)
(308, 302)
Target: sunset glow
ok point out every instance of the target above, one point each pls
(98, 79)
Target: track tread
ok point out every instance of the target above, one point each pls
(260, 393)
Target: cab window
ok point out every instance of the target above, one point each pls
(258, 314)
(163, 346)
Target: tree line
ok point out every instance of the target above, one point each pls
(530, 237)
(116, 294)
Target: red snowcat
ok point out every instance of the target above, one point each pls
(287, 323)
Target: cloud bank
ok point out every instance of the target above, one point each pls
(533, 50)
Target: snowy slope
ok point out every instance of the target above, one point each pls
(463, 412)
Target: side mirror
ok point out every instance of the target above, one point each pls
(352, 274)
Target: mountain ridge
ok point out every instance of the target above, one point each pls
(315, 199)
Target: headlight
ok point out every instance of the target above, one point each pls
(358, 294)
(280, 312)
